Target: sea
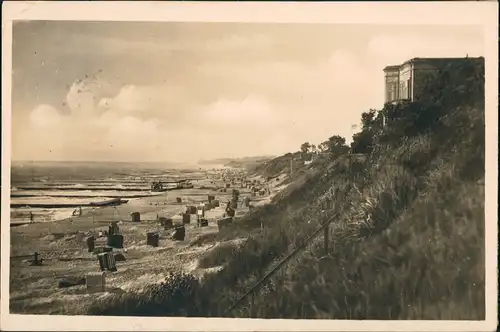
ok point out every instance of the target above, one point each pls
(51, 191)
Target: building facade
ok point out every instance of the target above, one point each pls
(405, 82)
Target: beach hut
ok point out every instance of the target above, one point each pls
(186, 218)
(90, 243)
(152, 239)
(190, 209)
(115, 241)
(179, 233)
(136, 217)
(107, 261)
(95, 281)
(167, 223)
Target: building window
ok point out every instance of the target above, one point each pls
(405, 90)
(410, 94)
(394, 91)
(390, 91)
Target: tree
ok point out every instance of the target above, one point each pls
(323, 147)
(362, 142)
(305, 147)
(335, 145)
(369, 119)
(371, 125)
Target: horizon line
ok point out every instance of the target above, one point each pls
(137, 162)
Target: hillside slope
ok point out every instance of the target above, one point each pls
(407, 232)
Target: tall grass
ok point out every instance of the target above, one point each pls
(409, 243)
(427, 264)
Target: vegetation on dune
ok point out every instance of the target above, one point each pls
(409, 239)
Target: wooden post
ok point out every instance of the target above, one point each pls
(350, 160)
(252, 305)
(325, 237)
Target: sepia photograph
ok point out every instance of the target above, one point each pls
(175, 160)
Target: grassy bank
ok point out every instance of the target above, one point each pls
(409, 242)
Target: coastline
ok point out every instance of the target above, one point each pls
(62, 248)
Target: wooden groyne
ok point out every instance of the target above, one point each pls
(80, 196)
(110, 202)
(49, 188)
(64, 188)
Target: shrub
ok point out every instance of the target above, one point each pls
(178, 295)
(218, 256)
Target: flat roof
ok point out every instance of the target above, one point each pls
(413, 60)
(392, 67)
(440, 59)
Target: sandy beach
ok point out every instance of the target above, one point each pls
(62, 246)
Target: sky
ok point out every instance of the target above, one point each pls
(180, 92)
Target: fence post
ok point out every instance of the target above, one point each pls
(252, 306)
(325, 237)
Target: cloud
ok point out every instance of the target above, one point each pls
(202, 91)
(45, 116)
(81, 100)
(83, 95)
(91, 128)
(138, 99)
(130, 126)
(312, 101)
(252, 111)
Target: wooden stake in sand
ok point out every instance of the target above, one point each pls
(93, 219)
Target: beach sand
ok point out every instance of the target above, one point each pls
(63, 248)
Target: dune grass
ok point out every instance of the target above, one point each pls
(218, 256)
(409, 242)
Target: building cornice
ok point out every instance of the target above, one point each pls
(430, 60)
